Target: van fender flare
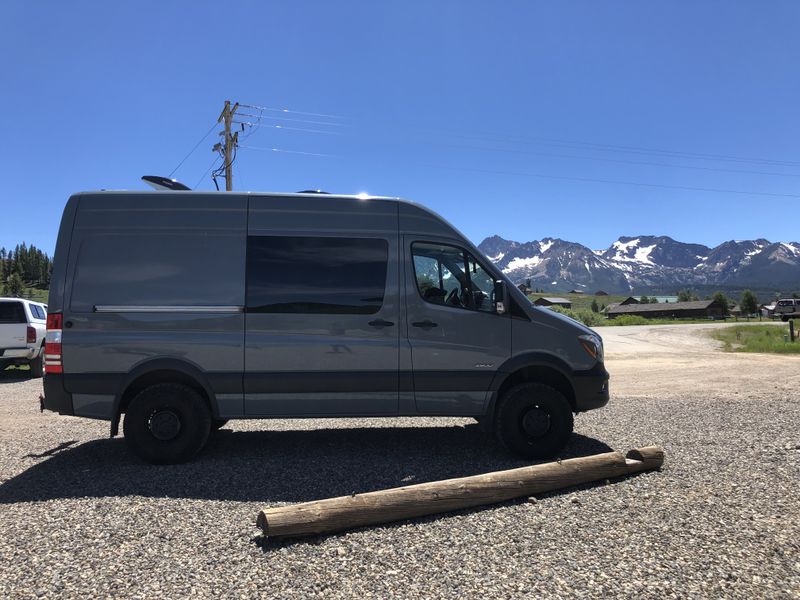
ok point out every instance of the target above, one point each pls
(522, 361)
(183, 367)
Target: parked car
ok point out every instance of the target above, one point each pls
(180, 310)
(787, 308)
(22, 332)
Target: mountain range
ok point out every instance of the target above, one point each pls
(647, 264)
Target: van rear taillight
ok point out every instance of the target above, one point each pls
(30, 335)
(52, 344)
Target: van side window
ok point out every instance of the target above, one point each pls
(316, 275)
(451, 276)
(159, 269)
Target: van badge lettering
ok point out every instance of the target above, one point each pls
(483, 365)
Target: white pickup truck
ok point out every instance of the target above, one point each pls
(787, 308)
(23, 325)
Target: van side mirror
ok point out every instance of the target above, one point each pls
(500, 297)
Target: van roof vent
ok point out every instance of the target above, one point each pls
(312, 192)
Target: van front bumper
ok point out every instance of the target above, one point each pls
(591, 388)
(55, 397)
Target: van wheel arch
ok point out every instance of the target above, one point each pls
(156, 373)
(533, 373)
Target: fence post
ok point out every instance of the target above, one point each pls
(791, 329)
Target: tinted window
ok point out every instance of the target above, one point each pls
(38, 312)
(12, 312)
(451, 276)
(200, 269)
(316, 274)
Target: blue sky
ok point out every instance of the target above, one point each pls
(580, 120)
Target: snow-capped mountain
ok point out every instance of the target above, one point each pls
(646, 263)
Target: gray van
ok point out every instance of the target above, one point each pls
(182, 310)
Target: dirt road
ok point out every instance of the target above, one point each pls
(684, 359)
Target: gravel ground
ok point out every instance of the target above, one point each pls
(81, 517)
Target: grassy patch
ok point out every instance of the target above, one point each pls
(637, 320)
(35, 294)
(757, 338)
(628, 320)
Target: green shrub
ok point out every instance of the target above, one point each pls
(629, 320)
(587, 317)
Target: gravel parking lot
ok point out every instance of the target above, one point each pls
(80, 516)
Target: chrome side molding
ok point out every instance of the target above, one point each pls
(109, 308)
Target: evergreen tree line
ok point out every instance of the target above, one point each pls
(24, 266)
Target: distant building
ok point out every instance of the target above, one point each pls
(575, 292)
(600, 293)
(672, 310)
(525, 289)
(767, 310)
(626, 302)
(562, 302)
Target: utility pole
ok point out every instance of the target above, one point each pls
(228, 147)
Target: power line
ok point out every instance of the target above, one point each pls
(287, 151)
(302, 129)
(211, 166)
(619, 160)
(296, 112)
(619, 182)
(502, 137)
(193, 149)
(615, 148)
(293, 120)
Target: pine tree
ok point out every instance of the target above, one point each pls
(749, 303)
(14, 285)
(723, 300)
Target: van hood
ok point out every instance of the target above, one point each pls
(559, 320)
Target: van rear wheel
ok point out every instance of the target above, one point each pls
(534, 420)
(167, 423)
(37, 366)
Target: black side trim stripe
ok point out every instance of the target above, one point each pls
(308, 382)
(109, 383)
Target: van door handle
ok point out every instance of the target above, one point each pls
(380, 323)
(426, 324)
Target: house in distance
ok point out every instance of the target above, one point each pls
(672, 310)
(562, 302)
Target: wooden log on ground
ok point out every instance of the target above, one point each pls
(384, 506)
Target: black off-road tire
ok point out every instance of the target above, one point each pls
(37, 366)
(167, 423)
(534, 420)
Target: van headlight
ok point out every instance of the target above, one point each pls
(593, 345)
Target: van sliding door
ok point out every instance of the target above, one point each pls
(322, 315)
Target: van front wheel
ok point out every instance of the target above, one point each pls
(534, 420)
(167, 423)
